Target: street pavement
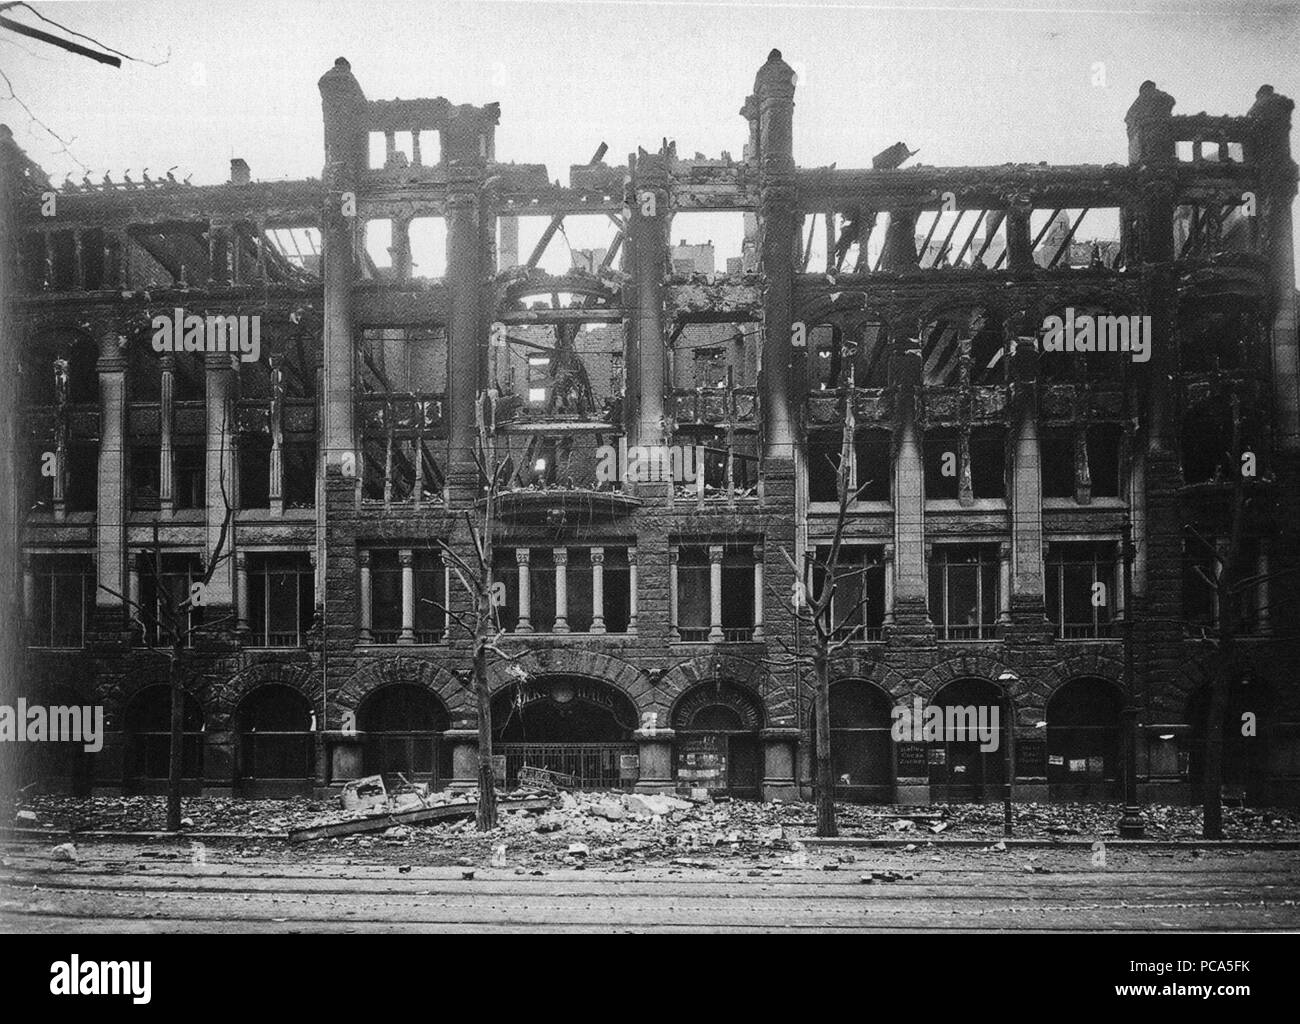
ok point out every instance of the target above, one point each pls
(170, 886)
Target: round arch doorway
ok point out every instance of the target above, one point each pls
(717, 741)
(961, 770)
(403, 725)
(578, 727)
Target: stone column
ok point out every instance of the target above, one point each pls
(1020, 252)
(275, 487)
(631, 583)
(346, 145)
(561, 556)
(406, 558)
(166, 448)
(598, 590)
(758, 592)
(241, 590)
(363, 557)
(220, 482)
(909, 515)
(778, 763)
(466, 327)
(219, 237)
(525, 624)
(674, 634)
(774, 88)
(1026, 510)
(715, 593)
(29, 588)
(1117, 583)
(889, 584)
(655, 760)
(133, 589)
(110, 518)
(464, 758)
(1004, 584)
(648, 257)
(401, 248)
(1272, 113)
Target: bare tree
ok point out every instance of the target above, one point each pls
(1230, 578)
(475, 575)
(168, 628)
(817, 582)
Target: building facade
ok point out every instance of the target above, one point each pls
(287, 527)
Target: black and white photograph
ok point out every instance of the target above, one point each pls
(648, 467)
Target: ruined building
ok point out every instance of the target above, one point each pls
(413, 316)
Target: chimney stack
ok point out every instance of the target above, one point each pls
(239, 173)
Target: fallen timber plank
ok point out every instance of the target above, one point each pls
(378, 822)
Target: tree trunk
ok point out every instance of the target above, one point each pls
(487, 793)
(1212, 820)
(825, 772)
(174, 750)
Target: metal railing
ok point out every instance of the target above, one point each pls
(261, 639)
(980, 631)
(1085, 630)
(592, 765)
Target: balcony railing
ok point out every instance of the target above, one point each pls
(980, 631)
(1085, 631)
(700, 634)
(258, 638)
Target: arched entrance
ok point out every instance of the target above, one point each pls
(1245, 757)
(403, 725)
(573, 725)
(862, 752)
(277, 748)
(149, 741)
(1084, 753)
(717, 740)
(960, 770)
(63, 767)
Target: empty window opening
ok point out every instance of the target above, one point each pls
(711, 243)
(874, 465)
(167, 612)
(378, 244)
(189, 476)
(62, 598)
(1211, 226)
(558, 245)
(1058, 464)
(428, 241)
(1080, 589)
(942, 464)
(960, 238)
(857, 608)
(281, 598)
(143, 466)
(1222, 333)
(1080, 238)
(824, 449)
(300, 247)
(964, 595)
(1105, 445)
(255, 471)
(988, 456)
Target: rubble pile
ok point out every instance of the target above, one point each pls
(617, 829)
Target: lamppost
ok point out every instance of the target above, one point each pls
(1007, 678)
(1130, 824)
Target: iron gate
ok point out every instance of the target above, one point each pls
(593, 765)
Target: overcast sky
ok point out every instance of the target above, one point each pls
(966, 83)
